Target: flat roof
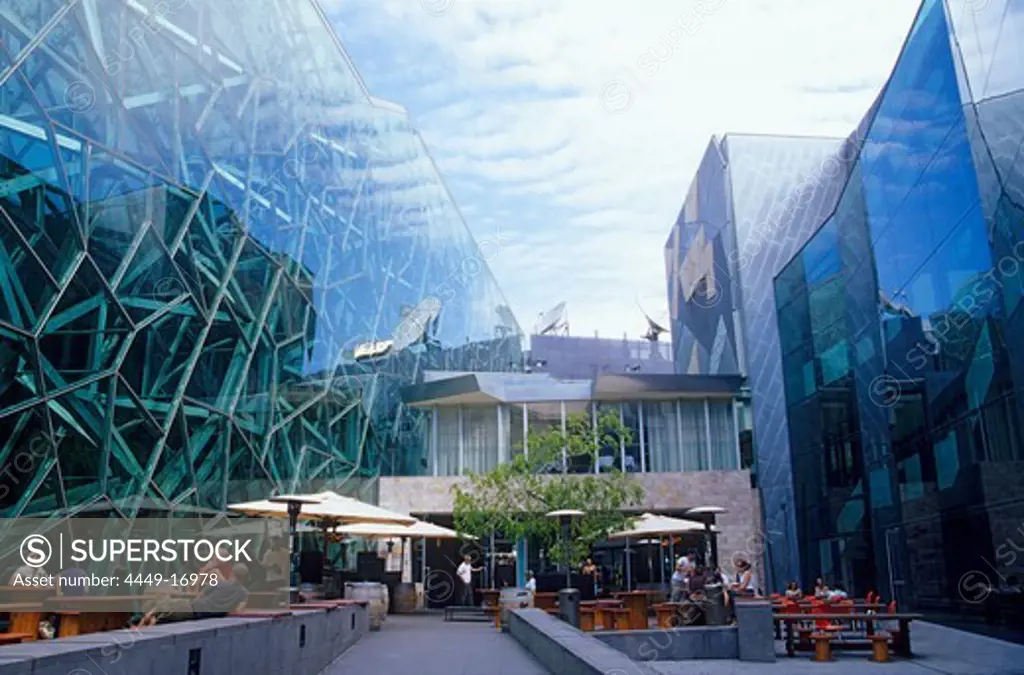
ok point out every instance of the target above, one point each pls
(493, 388)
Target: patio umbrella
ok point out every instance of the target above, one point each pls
(324, 506)
(418, 530)
(652, 525)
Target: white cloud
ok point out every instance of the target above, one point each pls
(506, 94)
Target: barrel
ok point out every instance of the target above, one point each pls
(513, 598)
(375, 594)
(404, 601)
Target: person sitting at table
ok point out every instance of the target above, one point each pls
(73, 582)
(821, 589)
(590, 570)
(24, 574)
(678, 583)
(697, 581)
(218, 599)
(793, 591)
(276, 563)
(746, 580)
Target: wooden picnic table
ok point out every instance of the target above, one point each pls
(901, 640)
(23, 618)
(9, 594)
(85, 614)
(636, 602)
(545, 601)
(489, 597)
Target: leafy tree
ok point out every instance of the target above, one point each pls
(513, 498)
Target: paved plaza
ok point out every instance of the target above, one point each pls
(939, 650)
(427, 645)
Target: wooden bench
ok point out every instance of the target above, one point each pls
(587, 618)
(494, 610)
(14, 638)
(822, 645)
(880, 647)
(617, 618)
(24, 618)
(456, 612)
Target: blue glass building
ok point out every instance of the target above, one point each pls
(901, 329)
(220, 258)
(875, 291)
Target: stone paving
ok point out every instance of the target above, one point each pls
(427, 645)
(939, 650)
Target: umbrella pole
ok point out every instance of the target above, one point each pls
(661, 559)
(628, 565)
(401, 574)
(293, 522)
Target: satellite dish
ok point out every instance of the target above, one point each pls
(371, 350)
(654, 329)
(413, 326)
(553, 321)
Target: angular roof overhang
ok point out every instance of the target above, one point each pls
(493, 388)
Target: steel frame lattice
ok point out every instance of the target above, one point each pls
(202, 214)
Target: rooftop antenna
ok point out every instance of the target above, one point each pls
(654, 329)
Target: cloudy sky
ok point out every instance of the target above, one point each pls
(575, 126)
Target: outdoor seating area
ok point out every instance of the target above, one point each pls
(822, 627)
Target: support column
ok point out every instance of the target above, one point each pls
(707, 435)
(433, 440)
(462, 450)
(565, 454)
(504, 455)
(622, 442)
(522, 561)
(736, 433)
(643, 444)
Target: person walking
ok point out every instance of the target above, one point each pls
(465, 575)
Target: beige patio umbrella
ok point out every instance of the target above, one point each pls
(326, 507)
(323, 506)
(652, 525)
(418, 530)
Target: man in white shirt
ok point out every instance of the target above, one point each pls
(465, 575)
(531, 582)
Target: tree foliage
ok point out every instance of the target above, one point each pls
(513, 498)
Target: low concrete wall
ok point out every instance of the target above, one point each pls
(303, 643)
(565, 650)
(755, 630)
(675, 644)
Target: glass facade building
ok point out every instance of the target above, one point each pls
(869, 289)
(676, 423)
(220, 258)
(754, 201)
(902, 331)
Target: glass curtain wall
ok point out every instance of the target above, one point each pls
(694, 440)
(479, 438)
(900, 333)
(673, 436)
